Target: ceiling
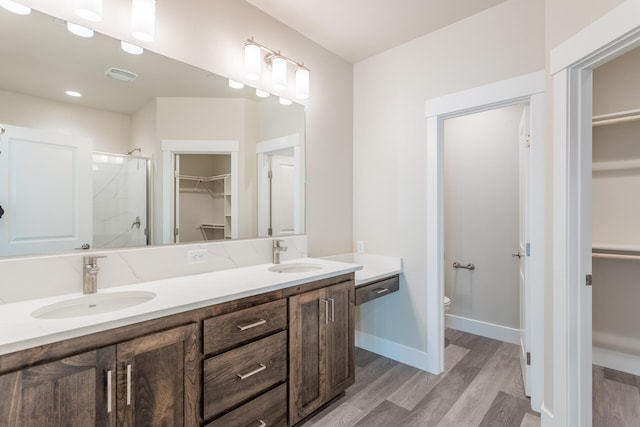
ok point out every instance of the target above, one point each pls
(358, 29)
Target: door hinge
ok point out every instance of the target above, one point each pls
(270, 174)
(589, 280)
(176, 231)
(528, 358)
(528, 140)
(527, 249)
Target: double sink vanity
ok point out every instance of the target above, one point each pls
(263, 345)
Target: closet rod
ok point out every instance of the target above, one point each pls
(621, 117)
(615, 256)
(203, 178)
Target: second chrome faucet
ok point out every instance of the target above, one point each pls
(277, 248)
(90, 271)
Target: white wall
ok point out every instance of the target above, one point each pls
(390, 136)
(481, 215)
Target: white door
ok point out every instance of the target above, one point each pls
(282, 195)
(523, 253)
(176, 198)
(45, 191)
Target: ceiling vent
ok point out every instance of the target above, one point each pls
(120, 74)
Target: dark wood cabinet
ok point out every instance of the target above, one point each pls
(158, 379)
(68, 392)
(321, 347)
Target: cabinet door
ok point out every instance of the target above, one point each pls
(340, 361)
(68, 392)
(307, 314)
(158, 379)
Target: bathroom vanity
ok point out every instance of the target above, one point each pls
(238, 347)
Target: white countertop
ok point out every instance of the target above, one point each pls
(374, 267)
(19, 331)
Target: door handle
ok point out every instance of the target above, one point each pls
(517, 255)
(1, 211)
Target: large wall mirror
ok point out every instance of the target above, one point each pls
(153, 151)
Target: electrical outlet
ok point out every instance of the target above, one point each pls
(360, 246)
(197, 256)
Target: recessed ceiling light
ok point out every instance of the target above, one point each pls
(285, 101)
(236, 85)
(14, 7)
(79, 30)
(131, 48)
(73, 93)
(262, 93)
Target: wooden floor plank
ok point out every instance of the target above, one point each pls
(506, 410)
(615, 404)
(364, 357)
(530, 420)
(384, 415)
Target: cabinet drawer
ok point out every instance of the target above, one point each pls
(221, 333)
(237, 375)
(269, 409)
(377, 289)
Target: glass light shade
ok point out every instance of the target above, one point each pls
(279, 73)
(143, 19)
(14, 7)
(79, 30)
(131, 48)
(285, 101)
(262, 93)
(235, 85)
(252, 61)
(302, 83)
(90, 10)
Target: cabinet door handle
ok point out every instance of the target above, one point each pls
(261, 367)
(333, 309)
(381, 290)
(259, 322)
(326, 311)
(128, 385)
(109, 391)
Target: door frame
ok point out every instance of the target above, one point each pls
(529, 89)
(190, 146)
(571, 65)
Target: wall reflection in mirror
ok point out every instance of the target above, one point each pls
(152, 151)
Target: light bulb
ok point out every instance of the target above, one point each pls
(143, 19)
(252, 61)
(302, 83)
(279, 73)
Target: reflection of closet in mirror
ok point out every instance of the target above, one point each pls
(120, 201)
(615, 214)
(203, 197)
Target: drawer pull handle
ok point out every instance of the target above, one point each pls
(326, 311)
(261, 368)
(381, 290)
(128, 385)
(333, 309)
(109, 391)
(262, 423)
(252, 325)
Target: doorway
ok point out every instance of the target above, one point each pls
(525, 89)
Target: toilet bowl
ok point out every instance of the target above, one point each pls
(447, 304)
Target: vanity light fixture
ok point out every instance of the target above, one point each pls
(14, 7)
(143, 19)
(90, 10)
(285, 101)
(277, 63)
(79, 30)
(131, 48)
(262, 93)
(235, 85)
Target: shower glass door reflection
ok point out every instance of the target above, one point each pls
(120, 201)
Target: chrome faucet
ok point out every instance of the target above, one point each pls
(277, 248)
(90, 271)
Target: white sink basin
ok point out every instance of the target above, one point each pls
(297, 267)
(91, 304)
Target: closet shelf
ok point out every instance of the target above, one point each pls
(616, 165)
(619, 117)
(203, 178)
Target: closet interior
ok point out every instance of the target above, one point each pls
(203, 197)
(616, 214)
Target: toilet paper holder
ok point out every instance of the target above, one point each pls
(469, 266)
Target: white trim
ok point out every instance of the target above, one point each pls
(622, 21)
(392, 350)
(526, 88)
(571, 63)
(182, 146)
(624, 362)
(546, 417)
(484, 329)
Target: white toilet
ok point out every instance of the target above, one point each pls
(447, 304)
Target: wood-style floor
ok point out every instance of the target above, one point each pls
(481, 386)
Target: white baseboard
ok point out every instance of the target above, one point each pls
(392, 350)
(546, 417)
(615, 360)
(484, 329)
